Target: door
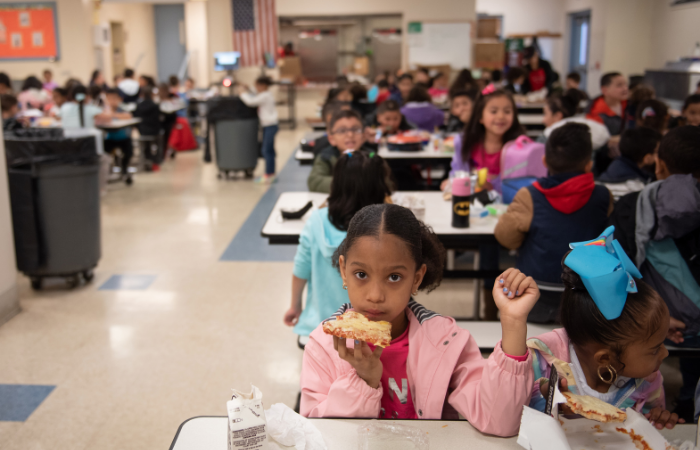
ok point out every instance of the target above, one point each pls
(118, 57)
(386, 48)
(580, 39)
(170, 39)
(318, 51)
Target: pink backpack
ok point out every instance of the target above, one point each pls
(522, 158)
(521, 165)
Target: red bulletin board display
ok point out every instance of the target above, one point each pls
(28, 31)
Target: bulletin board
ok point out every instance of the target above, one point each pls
(28, 31)
(436, 43)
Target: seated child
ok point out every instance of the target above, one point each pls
(433, 369)
(690, 114)
(659, 228)
(461, 107)
(329, 110)
(635, 166)
(493, 123)
(148, 111)
(60, 96)
(560, 110)
(573, 81)
(388, 120)
(564, 207)
(383, 93)
(121, 138)
(420, 110)
(10, 109)
(339, 94)
(653, 114)
(609, 108)
(404, 84)
(612, 341)
(359, 179)
(441, 85)
(515, 79)
(346, 134)
(77, 112)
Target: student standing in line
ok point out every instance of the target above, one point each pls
(267, 112)
(359, 179)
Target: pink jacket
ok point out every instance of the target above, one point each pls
(446, 374)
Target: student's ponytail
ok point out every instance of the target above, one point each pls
(79, 94)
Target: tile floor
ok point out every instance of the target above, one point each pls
(130, 365)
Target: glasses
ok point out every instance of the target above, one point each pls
(341, 131)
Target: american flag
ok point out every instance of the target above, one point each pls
(254, 30)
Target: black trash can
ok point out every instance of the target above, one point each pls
(55, 202)
(235, 128)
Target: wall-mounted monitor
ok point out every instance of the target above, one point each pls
(227, 61)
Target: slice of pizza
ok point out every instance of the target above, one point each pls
(594, 409)
(353, 325)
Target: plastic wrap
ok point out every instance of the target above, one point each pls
(376, 435)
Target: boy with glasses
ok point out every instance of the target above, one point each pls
(346, 133)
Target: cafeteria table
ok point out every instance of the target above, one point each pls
(118, 124)
(211, 433)
(438, 215)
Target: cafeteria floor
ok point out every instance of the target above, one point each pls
(182, 309)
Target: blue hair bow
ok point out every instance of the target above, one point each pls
(606, 271)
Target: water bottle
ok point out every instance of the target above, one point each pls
(461, 202)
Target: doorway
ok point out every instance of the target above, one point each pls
(118, 56)
(171, 47)
(580, 39)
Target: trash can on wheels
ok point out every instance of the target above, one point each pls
(235, 128)
(55, 202)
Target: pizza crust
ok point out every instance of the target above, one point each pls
(594, 409)
(353, 325)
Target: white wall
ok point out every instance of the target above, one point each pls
(140, 39)
(9, 302)
(197, 42)
(412, 10)
(75, 40)
(674, 31)
(530, 16)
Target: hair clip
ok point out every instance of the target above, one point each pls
(489, 89)
(371, 155)
(648, 112)
(606, 271)
(80, 97)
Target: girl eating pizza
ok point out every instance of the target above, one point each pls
(612, 343)
(432, 369)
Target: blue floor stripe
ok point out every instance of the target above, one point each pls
(19, 401)
(248, 245)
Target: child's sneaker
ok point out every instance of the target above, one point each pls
(266, 179)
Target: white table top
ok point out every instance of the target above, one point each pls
(531, 119)
(425, 153)
(438, 215)
(119, 123)
(210, 433)
(301, 155)
(488, 333)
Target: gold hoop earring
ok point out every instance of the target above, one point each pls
(611, 371)
(345, 286)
